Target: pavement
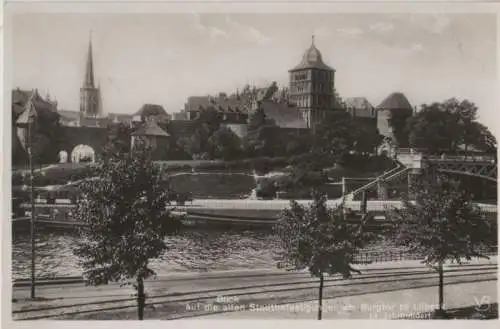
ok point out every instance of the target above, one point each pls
(235, 294)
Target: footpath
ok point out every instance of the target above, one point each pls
(383, 290)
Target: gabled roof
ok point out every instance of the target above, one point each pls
(358, 103)
(29, 112)
(20, 97)
(360, 107)
(150, 128)
(395, 101)
(284, 115)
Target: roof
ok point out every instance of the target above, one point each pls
(236, 102)
(69, 115)
(20, 97)
(358, 103)
(312, 59)
(284, 115)
(29, 113)
(150, 128)
(395, 101)
(359, 107)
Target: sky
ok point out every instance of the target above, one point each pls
(165, 58)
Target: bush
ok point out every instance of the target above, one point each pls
(266, 189)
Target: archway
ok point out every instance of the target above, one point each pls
(63, 156)
(83, 153)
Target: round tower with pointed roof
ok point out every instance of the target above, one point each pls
(312, 86)
(395, 102)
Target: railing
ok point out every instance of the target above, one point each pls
(350, 196)
(462, 158)
(395, 255)
(446, 157)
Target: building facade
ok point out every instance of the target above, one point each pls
(312, 86)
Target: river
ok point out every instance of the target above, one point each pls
(192, 250)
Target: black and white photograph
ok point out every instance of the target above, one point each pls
(251, 165)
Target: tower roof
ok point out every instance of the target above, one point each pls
(395, 101)
(312, 59)
(89, 68)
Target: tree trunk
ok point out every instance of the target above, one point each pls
(441, 283)
(320, 301)
(141, 298)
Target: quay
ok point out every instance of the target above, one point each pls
(232, 212)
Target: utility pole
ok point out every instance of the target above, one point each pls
(25, 124)
(33, 218)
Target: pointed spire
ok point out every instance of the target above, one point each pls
(313, 40)
(89, 68)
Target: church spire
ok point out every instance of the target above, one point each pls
(89, 68)
(313, 40)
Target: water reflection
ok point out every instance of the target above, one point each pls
(192, 250)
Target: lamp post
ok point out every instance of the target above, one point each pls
(33, 216)
(25, 131)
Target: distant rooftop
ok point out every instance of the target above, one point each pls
(150, 128)
(395, 101)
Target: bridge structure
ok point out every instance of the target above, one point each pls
(387, 187)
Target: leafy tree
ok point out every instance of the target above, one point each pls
(210, 120)
(442, 224)
(335, 136)
(447, 126)
(259, 139)
(398, 119)
(119, 137)
(320, 239)
(368, 138)
(198, 145)
(152, 110)
(225, 144)
(433, 130)
(127, 221)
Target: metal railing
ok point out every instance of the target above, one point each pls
(350, 196)
(395, 255)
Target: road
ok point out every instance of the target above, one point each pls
(191, 295)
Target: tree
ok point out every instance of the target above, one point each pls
(197, 145)
(448, 126)
(320, 239)
(225, 144)
(119, 137)
(152, 110)
(368, 137)
(398, 119)
(442, 224)
(259, 139)
(335, 136)
(127, 221)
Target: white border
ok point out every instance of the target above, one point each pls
(92, 6)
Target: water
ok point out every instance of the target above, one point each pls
(190, 251)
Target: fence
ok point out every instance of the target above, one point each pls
(379, 256)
